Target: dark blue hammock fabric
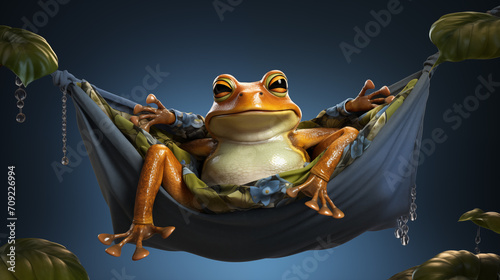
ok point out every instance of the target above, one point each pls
(373, 191)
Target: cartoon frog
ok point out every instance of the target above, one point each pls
(253, 129)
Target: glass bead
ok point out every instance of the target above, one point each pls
(64, 111)
(18, 82)
(404, 219)
(65, 160)
(20, 118)
(405, 229)
(413, 192)
(478, 239)
(405, 240)
(413, 216)
(20, 104)
(20, 94)
(400, 223)
(398, 232)
(64, 98)
(413, 207)
(64, 150)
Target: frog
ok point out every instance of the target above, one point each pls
(253, 135)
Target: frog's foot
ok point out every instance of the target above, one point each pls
(316, 187)
(136, 234)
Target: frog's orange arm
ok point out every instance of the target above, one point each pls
(316, 184)
(200, 147)
(307, 138)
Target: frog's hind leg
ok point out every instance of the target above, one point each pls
(173, 182)
(316, 184)
(160, 166)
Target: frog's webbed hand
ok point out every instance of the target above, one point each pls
(364, 102)
(316, 184)
(159, 115)
(136, 234)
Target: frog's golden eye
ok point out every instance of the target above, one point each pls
(277, 84)
(222, 89)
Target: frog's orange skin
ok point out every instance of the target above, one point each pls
(243, 102)
(248, 97)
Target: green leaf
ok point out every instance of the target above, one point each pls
(404, 275)
(466, 35)
(456, 265)
(449, 265)
(26, 54)
(40, 259)
(488, 220)
(490, 266)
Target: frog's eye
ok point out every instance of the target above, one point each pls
(222, 89)
(277, 85)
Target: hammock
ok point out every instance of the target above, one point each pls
(373, 191)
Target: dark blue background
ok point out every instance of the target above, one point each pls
(111, 45)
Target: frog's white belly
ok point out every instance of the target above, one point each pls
(239, 163)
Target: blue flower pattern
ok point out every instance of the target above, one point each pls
(358, 146)
(265, 188)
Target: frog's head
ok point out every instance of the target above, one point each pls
(249, 112)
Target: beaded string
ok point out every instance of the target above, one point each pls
(478, 240)
(20, 95)
(64, 160)
(401, 231)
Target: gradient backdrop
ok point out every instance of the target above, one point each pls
(113, 45)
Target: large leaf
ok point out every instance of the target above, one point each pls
(466, 35)
(26, 54)
(490, 266)
(489, 220)
(404, 275)
(454, 265)
(449, 265)
(40, 259)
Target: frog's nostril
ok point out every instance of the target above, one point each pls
(241, 94)
(261, 93)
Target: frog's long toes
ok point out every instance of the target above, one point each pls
(337, 213)
(389, 98)
(151, 99)
(138, 108)
(166, 232)
(115, 250)
(325, 211)
(106, 238)
(135, 120)
(313, 204)
(369, 84)
(139, 254)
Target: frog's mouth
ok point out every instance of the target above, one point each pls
(252, 126)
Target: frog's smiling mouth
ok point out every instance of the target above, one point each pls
(257, 111)
(253, 125)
